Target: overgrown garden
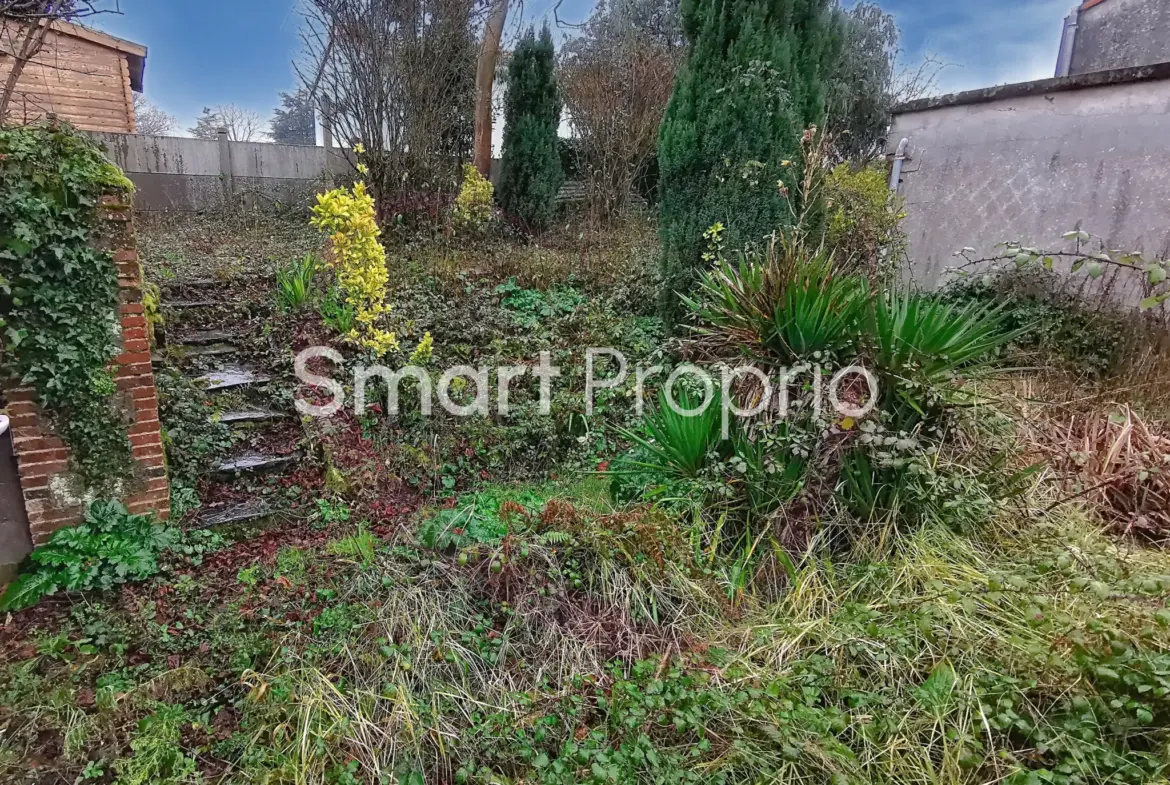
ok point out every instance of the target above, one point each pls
(964, 581)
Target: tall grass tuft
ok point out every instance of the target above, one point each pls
(294, 283)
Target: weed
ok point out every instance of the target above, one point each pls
(157, 754)
(360, 547)
(338, 315)
(294, 283)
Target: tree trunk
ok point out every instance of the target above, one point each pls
(485, 73)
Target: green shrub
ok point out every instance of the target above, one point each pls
(1057, 329)
(753, 83)
(530, 172)
(110, 547)
(473, 205)
(863, 230)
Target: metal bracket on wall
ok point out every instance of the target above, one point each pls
(900, 157)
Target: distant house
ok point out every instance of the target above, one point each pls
(1103, 35)
(81, 75)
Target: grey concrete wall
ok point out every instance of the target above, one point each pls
(1034, 163)
(172, 173)
(1121, 34)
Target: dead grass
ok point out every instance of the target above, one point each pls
(594, 259)
(182, 247)
(1113, 460)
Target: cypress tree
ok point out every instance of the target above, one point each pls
(754, 79)
(530, 174)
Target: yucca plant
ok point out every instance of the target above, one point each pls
(819, 314)
(676, 444)
(919, 345)
(294, 283)
(736, 302)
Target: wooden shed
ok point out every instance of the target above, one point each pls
(81, 75)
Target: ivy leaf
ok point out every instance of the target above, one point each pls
(1153, 302)
(18, 247)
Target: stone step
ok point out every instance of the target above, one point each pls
(203, 338)
(231, 376)
(209, 350)
(186, 305)
(190, 352)
(253, 463)
(244, 416)
(226, 514)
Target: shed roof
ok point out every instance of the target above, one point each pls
(135, 53)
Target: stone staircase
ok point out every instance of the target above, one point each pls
(217, 339)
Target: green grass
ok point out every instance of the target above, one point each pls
(604, 651)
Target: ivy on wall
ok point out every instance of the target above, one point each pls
(59, 293)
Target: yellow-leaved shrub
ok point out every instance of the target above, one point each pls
(358, 260)
(473, 205)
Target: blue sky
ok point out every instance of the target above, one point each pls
(241, 51)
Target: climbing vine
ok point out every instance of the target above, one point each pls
(59, 293)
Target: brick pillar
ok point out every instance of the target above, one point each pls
(50, 495)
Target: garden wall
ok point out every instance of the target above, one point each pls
(50, 498)
(1032, 161)
(172, 173)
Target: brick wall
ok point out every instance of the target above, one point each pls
(50, 495)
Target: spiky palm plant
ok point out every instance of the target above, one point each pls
(820, 314)
(677, 444)
(920, 346)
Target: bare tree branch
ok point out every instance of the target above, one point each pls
(616, 79)
(152, 120)
(398, 77)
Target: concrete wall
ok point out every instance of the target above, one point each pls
(173, 173)
(1120, 34)
(1030, 162)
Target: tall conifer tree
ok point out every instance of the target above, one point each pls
(530, 174)
(754, 79)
